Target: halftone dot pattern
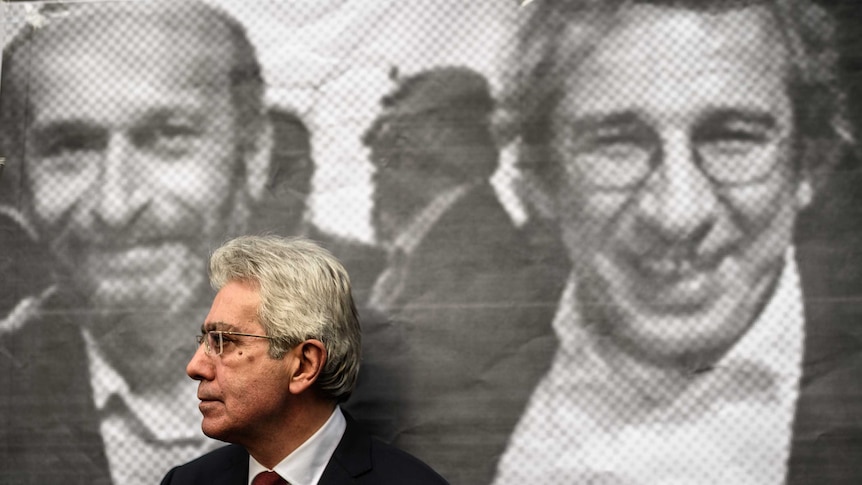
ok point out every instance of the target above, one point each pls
(600, 417)
(660, 170)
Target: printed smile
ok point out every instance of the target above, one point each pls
(675, 282)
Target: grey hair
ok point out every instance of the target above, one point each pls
(545, 54)
(304, 294)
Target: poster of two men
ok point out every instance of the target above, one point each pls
(589, 241)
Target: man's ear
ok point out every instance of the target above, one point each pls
(258, 159)
(309, 358)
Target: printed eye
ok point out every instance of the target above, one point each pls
(733, 142)
(613, 145)
(70, 143)
(733, 136)
(738, 151)
(170, 138)
(616, 147)
(67, 148)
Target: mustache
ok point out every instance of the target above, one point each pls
(141, 228)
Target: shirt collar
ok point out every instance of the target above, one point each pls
(156, 407)
(408, 239)
(306, 464)
(772, 346)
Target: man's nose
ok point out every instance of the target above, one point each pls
(200, 367)
(119, 191)
(679, 202)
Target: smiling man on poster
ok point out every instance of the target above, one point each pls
(679, 141)
(141, 134)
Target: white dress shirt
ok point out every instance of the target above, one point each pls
(145, 435)
(306, 464)
(598, 417)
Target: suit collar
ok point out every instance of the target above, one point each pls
(234, 469)
(352, 457)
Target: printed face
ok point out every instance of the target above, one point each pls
(132, 151)
(410, 165)
(243, 391)
(401, 176)
(679, 194)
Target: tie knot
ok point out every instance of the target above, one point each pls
(268, 478)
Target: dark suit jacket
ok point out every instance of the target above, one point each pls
(24, 261)
(358, 459)
(827, 430)
(49, 429)
(469, 338)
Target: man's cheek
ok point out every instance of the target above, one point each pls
(54, 196)
(52, 205)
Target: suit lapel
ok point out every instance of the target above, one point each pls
(827, 435)
(235, 469)
(351, 458)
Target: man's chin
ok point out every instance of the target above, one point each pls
(690, 336)
(213, 428)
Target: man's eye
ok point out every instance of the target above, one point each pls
(69, 143)
(168, 139)
(614, 146)
(733, 142)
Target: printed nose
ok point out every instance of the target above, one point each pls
(119, 201)
(679, 202)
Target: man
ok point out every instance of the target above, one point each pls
(469, 300)
(140, 130)
(282, 206)
(679, 141)
(280, 349)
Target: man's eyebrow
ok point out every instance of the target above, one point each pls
(594, 121)
(60, 128)
(164, 114)
(217, 325)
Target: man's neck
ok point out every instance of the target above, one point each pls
(278, 443)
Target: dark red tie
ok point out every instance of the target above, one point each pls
(268, 478)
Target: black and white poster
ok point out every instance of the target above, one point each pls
(590, 241)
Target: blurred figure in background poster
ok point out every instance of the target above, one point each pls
(283, 204)
(25, 266)
(462, 288)
(281, 210)
(141, 132)
(679, 141)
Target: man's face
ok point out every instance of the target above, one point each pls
(243, 391)
(401, 175)
(678, 265)
(131, 153)
(410, 166)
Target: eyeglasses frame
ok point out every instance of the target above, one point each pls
(205, 337)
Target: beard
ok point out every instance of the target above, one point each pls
(144, 292)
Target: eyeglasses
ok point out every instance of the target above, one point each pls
(620, 159)
(215, 339)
